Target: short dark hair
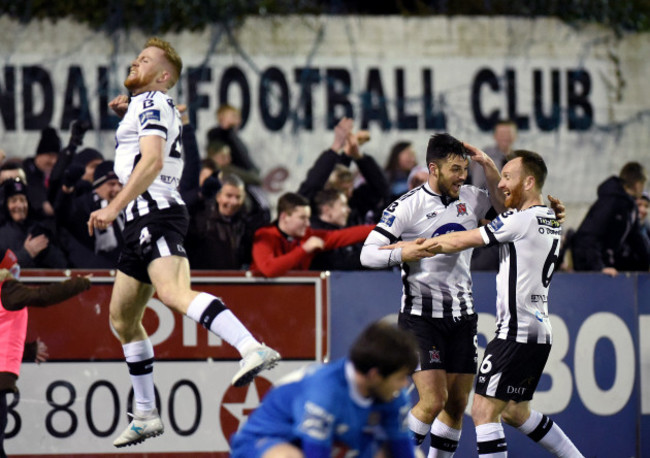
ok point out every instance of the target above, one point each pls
(326, 197)
(533, 164)
(632, 173)
(288, 202)
(386, 347)
(442, 146)
(232, 180)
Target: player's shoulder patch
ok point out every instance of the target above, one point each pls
(387, 219)
(149, 115)
(498, 222)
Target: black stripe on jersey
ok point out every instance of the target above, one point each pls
(427, 305)
(391, 238)
(151, 202)
(447, 303)
(512, 292)
(493, 240)
(491, 214)
(462, 301)
(408, 298)
(156, 127)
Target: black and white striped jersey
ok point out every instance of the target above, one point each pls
(440, 286)
(529, 247)
(150, 113)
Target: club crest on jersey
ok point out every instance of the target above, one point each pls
(462, 209)
(387, 219)
(149, 115)
(434, 355)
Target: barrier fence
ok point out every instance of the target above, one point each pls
(596, 384)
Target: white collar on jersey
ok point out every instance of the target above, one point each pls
(446, 200)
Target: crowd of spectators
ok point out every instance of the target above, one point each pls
(46, 201)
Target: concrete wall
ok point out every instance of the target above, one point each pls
(465, 69)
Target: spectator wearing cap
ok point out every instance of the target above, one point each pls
(33, 241)
(10, 169)
(99, 251)
(38, 170)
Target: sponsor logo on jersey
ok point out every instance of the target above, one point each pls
(432, 215)
(149, 115)
(462, 209)
(316, 423)
(549, 222)
(387, 219)
(496, 224)
(447, 228)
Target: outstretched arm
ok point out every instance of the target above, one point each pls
(447, 243)
(152, 148)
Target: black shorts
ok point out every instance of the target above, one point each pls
(447, 343)
(155, 235)
(510, 371)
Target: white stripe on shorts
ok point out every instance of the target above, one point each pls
(493, 385)
(163, 248)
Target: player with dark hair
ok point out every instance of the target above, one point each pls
(437, 303)
(149, 163)
(340, 409)
(529, 238)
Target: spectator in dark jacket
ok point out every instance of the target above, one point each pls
(331, 171)
(38, 171)
(610, 219)
(221, 232)
(100, 250)
(229, 119)
(331, 212)
(634, 254)
(33, 241)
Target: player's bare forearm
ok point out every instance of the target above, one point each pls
(454, 242)
(447, 243)
(144, 173)
(492, 176)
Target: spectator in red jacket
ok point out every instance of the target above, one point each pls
(289, 243)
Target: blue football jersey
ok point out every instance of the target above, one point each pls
(324, 409)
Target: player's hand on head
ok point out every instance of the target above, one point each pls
(475, 153)
(119, 105)
(558, 207)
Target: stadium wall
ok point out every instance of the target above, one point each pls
(578, 95)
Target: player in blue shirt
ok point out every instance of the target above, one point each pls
(344, 408)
